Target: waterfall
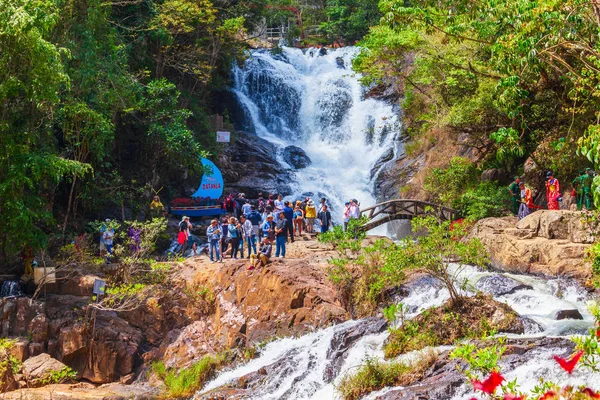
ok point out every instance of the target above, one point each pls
(296, 367)
(312, 99)
(11, 289)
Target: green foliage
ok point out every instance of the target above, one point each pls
(63, 375)
(448, 184)
(349, 20)
(185, 382)
(473, 318)
(348, 239)
(487, 199)
(431, 252)
(590, 344)
(374, 375)
(481, 360)
(509, 144)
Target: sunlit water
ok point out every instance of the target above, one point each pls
(306, 357)
(315, 101)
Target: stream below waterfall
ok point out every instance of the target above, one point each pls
(301, 367)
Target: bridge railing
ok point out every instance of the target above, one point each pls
(404, 209)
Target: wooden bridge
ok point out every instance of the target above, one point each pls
(392, 210)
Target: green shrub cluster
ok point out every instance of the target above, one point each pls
(183, 383)
(375, 375)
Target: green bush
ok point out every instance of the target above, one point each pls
(487, 199)
(374, 375)
(185, 382)
(446, 185)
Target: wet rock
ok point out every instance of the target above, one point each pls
(249, 165)
(296, 157)
(531, 327)
(343, 340)
(35, 369)
(339, 61)
(323, 51)
(568, 314)
(500, 285)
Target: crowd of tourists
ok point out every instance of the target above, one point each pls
(253, 227)
(522, 196)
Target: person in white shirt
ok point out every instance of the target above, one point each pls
(354, 209)
(278, 207)
(249, 236)
(346, 215)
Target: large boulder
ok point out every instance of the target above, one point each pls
(550, 243)
(296, 157)
(37, 369)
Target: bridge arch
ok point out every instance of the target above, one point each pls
(398, 209)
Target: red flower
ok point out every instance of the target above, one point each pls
(598, 333)
(569, 365)
(513, 397)
(490, 384)
(590, 393)
(549, 395)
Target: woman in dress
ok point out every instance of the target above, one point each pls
(552, 192)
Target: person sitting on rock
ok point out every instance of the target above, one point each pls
(263, 257)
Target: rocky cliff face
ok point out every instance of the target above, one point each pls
(249, 165)
(289, 297)
(547, 242)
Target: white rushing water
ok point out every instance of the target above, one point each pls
(315, 101)
(303, 360)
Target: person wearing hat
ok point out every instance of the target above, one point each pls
(586, 181)
(214, 237)
(552, 191)
(268, 228)
(515, 192)
(310, 215)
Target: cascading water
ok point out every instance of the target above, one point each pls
(312, 99)
(298, 366)
(11, 289)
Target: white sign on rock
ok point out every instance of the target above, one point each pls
(223, 137)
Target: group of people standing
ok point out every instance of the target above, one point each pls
(268, 222)
(522, 196)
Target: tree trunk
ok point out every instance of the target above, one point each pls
(69, 204)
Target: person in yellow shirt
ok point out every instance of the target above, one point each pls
(157, 209)
(311, 214)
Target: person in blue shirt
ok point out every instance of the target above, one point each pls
(214, 236)
(288, 212)
(281, 235)
(268, 228)
(256, 220)
(235, 237)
